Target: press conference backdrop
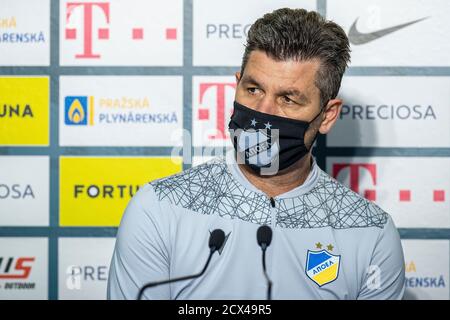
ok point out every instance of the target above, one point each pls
(95, 95)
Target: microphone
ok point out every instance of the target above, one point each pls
(264, 238)
(216, 240)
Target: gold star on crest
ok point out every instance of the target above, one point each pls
(318, 245)
(330, 247)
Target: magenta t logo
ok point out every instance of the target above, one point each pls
(354, 176)
(103, 33)
(203, 114)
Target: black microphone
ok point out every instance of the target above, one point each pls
(216, 240)
(264, 238)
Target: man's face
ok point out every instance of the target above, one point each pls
(282, 88)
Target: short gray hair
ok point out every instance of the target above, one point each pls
(301, 35)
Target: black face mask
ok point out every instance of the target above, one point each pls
(267, 143)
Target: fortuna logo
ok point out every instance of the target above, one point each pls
(356, 37)
(16, 111)
(322, 267)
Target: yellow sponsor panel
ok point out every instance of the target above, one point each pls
(24, 111)
(96, 191)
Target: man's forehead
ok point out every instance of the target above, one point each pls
(287, 77)
(264, 62)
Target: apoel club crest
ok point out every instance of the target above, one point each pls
(322, 267)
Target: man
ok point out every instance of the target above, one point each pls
(328, 242)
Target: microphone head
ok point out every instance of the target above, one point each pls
(264, 235)
(216, 239)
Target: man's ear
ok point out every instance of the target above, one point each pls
(238, 76)
(330, 115)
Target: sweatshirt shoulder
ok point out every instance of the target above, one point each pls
(347, 208)
(188, 185)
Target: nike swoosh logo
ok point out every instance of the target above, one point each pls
(355, 37)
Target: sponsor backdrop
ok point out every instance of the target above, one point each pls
(97, 96)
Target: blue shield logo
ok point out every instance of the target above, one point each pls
(322, 267)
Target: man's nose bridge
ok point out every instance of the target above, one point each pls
(265, 104)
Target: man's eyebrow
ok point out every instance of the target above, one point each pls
(246, 79)
(300, 96)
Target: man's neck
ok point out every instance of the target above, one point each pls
(282, 182)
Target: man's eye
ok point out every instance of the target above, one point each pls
(286, 99)
(252, 90)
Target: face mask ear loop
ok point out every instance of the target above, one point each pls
(320, 112)
(315, 137)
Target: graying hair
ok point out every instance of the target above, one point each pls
(297, 34)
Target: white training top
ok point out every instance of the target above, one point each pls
(328, 241)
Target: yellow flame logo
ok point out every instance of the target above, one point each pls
(76, 112)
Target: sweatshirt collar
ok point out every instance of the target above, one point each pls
(237, 174)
